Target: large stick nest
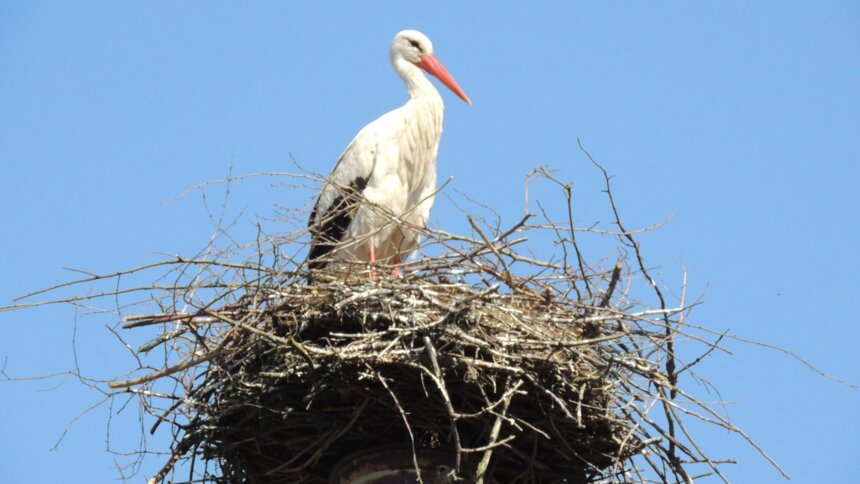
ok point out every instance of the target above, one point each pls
(303, 375)
(481, 363)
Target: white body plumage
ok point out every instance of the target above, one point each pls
(379, 194)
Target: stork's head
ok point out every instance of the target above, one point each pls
(415, 48)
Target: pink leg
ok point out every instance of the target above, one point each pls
(395, 261)
(373, 274)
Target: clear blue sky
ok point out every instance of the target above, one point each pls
(742, 119)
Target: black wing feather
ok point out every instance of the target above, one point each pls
(328, 232)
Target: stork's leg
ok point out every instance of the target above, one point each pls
(373, 274)
(395, 262)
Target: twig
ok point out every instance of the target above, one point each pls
(494, 434)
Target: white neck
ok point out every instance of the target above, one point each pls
(417, 83)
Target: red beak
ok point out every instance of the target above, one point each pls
(431, 64)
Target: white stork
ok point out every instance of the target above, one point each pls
(378, 196)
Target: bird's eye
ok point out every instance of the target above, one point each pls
(415, 44)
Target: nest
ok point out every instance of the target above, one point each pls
(302, 376)
(481, 363)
